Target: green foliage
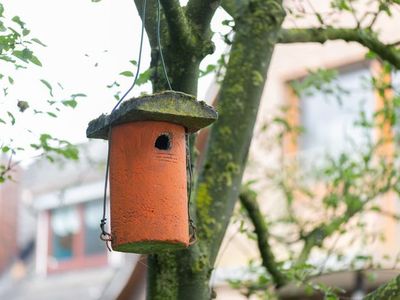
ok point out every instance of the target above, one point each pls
(341, 4)
(50, 145)
(127, 73)
(48, 85)
(209, 69)
(144, 77)
(17, 50)
(328, 198)
(320, 80)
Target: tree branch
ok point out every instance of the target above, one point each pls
(248, 199)
(233, 7)
(150, 20)
(361, 36)
(316, 237)
(178, 25)
(390, 290)
(200, 13)
(217, 188)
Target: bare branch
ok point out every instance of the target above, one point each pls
(200, 13)
(248, 199)
(361, 36)
(353, 12)
(178, 25)
(374, 19)
(316, 13)
(394, 44)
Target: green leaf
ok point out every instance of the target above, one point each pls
(78, 95)
(35, 60)
(71, 103)
(341, 5)
(144, 77)
(48, 85)
(22, 55)
(17, 67)
(376, 208)
(51, 114)
(22, 105)
(133, 62)
(113, 84)
(25, 32)
(18, 20)
(126, 73)
(331, 297)
(7, 59)
(1, 10)
(208, 70)
(37, 41)
(226, 22)
(10, 80)
(11, 117)
(5, 149)
(2, 121)
(2, 27)
(26, 55)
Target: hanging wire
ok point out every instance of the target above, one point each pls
(106, 236)
(159, 44)
(192, 226)
(143, 17)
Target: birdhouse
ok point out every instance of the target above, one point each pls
(148, 169)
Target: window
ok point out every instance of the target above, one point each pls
(396, 82)
(329, 123)
(92, 214)
(74, 237)
(64, 227)
(396, 89)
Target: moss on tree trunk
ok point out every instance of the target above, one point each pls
(185, 274)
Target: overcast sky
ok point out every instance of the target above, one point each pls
(88, 45)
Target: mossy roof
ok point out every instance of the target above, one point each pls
(168, 106)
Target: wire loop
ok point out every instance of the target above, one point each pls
(192, 232)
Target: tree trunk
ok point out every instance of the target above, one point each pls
(185, 274)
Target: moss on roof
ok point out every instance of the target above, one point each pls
(168, 106)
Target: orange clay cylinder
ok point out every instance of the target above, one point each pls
(148, 179)
(148, 187)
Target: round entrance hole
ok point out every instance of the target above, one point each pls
(163, 142)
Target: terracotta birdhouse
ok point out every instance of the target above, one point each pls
(148, 169)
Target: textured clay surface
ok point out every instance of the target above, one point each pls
(148, 188)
